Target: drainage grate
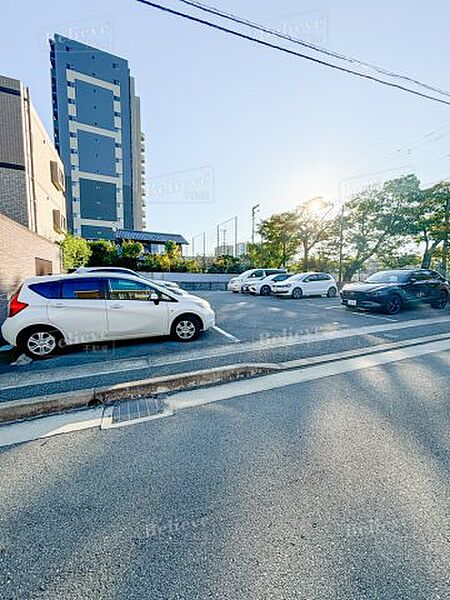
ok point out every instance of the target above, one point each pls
(142, 408)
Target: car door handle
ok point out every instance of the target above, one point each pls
(58, 305)
(117, 306)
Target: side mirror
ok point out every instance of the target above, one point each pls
(154, 298)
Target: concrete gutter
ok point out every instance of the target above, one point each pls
(56, 403)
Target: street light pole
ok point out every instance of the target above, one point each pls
(255, 210)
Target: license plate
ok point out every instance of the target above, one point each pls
(352, 303)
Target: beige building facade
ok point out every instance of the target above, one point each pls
(31, 173)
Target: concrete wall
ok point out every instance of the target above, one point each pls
(19, 249)
(194, 281)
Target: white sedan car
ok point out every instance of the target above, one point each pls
(265, 286)
(307, 284)
(47, 313)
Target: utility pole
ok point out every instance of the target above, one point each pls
(341, 245)
(446, 234)
(236, 237)
(255, 210)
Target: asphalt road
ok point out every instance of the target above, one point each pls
(333, 489)
(264, 327)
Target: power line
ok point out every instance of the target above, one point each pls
(231, 17)
(291, 52)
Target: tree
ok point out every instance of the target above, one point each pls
(173, 252)
(376, 221)
(313, 226)
(130, 253)
(280, 239)
(104, 253)
(225, 264)
(75, 252)
(429, 223)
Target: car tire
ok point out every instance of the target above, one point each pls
(265, 290)
(332, 292)
(393, 305)
(442, 300)
(186, 328)
(297, 293)
(40, 343)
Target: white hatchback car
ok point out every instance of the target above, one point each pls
(47, 313)
(307, 284)
(265, 286)
(242, 282)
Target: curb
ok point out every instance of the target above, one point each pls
(27, 408)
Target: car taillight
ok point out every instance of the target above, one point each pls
(15, 305)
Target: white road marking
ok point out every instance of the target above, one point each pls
(16, 380)
(21, 361)
(372, 316)
(26, 431)
(226, 334)
(6, 348)
(236, 389)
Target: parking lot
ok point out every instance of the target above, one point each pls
(249, 329)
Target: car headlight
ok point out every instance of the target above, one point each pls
(378, 293)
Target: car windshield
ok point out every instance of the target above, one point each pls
(389, 277)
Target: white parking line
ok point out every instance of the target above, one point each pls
(371, 316)
(226, 334)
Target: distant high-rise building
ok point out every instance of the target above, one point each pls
(31, 172)
(97, 128)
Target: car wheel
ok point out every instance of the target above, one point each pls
(265, 290)
(40, 342)
(297, 293)
(332, 292)
(186, 328)
(393, 304)
(442, 301)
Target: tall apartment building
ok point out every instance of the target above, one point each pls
(31, 172)
(97, 129)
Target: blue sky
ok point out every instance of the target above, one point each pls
(235, 124)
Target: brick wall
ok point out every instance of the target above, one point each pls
(19, 249)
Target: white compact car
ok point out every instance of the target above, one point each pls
(264, 287)
(307, 284)
(242, 282)
(47, 313)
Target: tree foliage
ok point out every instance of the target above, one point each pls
(75, 252)
(280, 239)
(376, 221)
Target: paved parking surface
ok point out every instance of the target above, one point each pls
(250, 329)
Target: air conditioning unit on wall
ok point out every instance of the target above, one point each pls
(57, 176)
(59, 221)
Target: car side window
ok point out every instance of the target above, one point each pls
(257, 274)
(437, 276)
(422, 275)
(83, 289)
(324, 277)
(311, 278)
(127, 289)
(47, 289)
